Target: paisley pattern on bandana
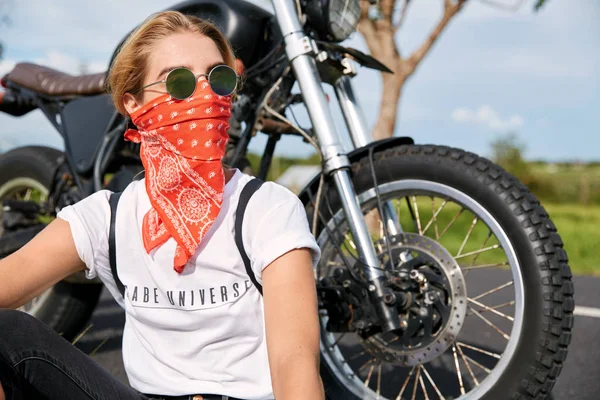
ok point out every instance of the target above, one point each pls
(182, 143)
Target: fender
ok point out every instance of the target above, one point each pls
(355, 156)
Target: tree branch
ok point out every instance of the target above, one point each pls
(367, 28)
(402, 15)
(387, 8)
(450, 10)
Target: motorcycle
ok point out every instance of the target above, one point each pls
(462, 289)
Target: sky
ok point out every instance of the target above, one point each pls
(490, 73)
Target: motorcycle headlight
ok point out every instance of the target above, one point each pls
(333, 20)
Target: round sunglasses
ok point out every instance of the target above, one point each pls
(181, 82)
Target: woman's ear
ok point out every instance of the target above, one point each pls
(130, 103)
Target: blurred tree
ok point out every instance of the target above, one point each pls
(379, 24)
(508, 151)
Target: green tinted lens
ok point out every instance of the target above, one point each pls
(223, 80)
(181, 83)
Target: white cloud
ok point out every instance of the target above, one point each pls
(487, 116)
(69, 64)
(463, 115)
(59, 61)
(97, 66)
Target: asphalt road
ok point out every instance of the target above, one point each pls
(579, 380)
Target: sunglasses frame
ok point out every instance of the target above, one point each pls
(196, 77)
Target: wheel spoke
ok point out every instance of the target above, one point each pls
(462, 246)
(81, 334)
(98, 347)
(507, 284)
(478, 254)
(487, 321)
(366, 364)
(479, 365)
(484, 266)
(462, 355)
(403, 388)
(508, 303)
(368, 380)
(477, 251)
(508, 317)
(458, 214)
(468, 346)
(338, 339)
(412, 213)
(379, 380)
(458, 373)
(432, 383)
(416, 210)
(423, 388)
(414, 393)
(433, 219)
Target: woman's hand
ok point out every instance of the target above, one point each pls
(292, 326)
(47, 259)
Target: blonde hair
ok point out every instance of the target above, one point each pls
(129, 67)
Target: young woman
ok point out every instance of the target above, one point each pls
(196, 326)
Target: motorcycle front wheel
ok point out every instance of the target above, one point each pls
(26, 173)
(487, 298)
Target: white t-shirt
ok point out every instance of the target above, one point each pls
(202, 331)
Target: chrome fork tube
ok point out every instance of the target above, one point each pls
(361, 137)
(352, 112)
(301, 50)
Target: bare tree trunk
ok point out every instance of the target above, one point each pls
(379, 36)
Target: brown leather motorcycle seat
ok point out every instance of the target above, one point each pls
(51, 82)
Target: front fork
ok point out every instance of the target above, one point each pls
(300, 50)
(355, 121)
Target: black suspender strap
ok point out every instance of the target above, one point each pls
(112, 251)
(249, 189)
(247, 192)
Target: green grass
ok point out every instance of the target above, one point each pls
(579, 227)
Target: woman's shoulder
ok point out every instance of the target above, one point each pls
(98, 202)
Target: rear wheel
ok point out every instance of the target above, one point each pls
(26, 173)
(479, 277)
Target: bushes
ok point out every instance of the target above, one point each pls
(573, 183)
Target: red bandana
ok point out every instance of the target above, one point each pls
(182, 144)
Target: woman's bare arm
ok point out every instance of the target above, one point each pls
(47, 259)
(292, 326)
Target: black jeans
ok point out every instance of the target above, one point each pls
(36, 363)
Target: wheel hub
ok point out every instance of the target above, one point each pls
(429, 290)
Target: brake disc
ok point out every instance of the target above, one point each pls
(428, 330)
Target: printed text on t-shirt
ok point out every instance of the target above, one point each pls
(188, 299)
